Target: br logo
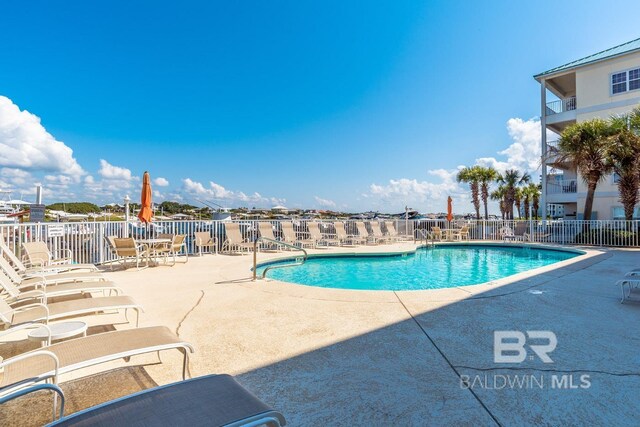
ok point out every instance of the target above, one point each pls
(511, 346)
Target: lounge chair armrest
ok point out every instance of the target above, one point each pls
(33, 264)
(22, 327)
(26, 296)
(22, 391)
(35, 280)
(33, 354)
(61, 261)
(37, 307)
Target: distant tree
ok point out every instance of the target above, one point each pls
(486, 177)
(518, 195)
(584, 145)
(75, 207)
(536, 192)
(472, 177)
(531, 198)
(499, 195)
(511, 179)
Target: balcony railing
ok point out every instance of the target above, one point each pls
(561, 105)
(565, 186)
(552, 145)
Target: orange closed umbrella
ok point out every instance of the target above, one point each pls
(449, 209)
(145, 213)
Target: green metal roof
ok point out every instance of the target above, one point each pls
(622, 49)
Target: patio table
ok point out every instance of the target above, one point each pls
(151, 245)
(450, 233)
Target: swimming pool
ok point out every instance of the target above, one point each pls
(443, 266)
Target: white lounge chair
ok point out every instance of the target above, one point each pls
(47, 363)
(377, 232)
(392, 232)
(290, 236)
(39, 311)
(203, 240)
(266, 231)
(177, 246)
(49, 291)
(50, 278)
(346, 238)
(319, 237)
(436, 233)
(364, 233)
(127, 250)
(630, 286)
(234, 241)
(28, 270)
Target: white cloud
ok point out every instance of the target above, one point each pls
(109, 171)
(221, 192)
(217, 191)
(418, 190)
(525, 151)
(196, 188)
(60, 180)
(89, 179)
(324, 202)
(25, 143)
(161, 182)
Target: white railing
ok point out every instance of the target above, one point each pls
(86, 240)
(561, 105)
(564, 186)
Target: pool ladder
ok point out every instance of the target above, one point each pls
(424, 236)
(298, 260)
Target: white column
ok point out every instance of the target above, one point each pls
(543, 139)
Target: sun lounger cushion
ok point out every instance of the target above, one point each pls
(213, 400)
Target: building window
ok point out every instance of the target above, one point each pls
(618, 212)
(634, 79)
(625, 81)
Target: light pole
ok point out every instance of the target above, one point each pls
(127, 199)
(406, 220)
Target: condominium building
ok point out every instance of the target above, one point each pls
(601, 85)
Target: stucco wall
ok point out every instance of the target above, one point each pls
(593, 82)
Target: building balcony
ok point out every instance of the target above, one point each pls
(562, 191)
(565, 186)
(561, 105)
(561, 113)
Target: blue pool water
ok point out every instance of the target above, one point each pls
(429, 268)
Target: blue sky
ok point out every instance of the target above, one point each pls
(344, 105)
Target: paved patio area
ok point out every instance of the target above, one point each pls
(342, 357)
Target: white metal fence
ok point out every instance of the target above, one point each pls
(86, 240)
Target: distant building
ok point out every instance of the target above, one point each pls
(601, 85)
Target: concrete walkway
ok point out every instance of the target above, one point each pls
(342, 357)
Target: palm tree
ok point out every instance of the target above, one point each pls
(498, 195)
(472, 177)
(517, 200)
(511, 179)
(486, 176)
(526, 200)
(531, 198)
(623, 154)
(584, 145)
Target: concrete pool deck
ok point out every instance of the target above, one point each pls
(345, 357)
